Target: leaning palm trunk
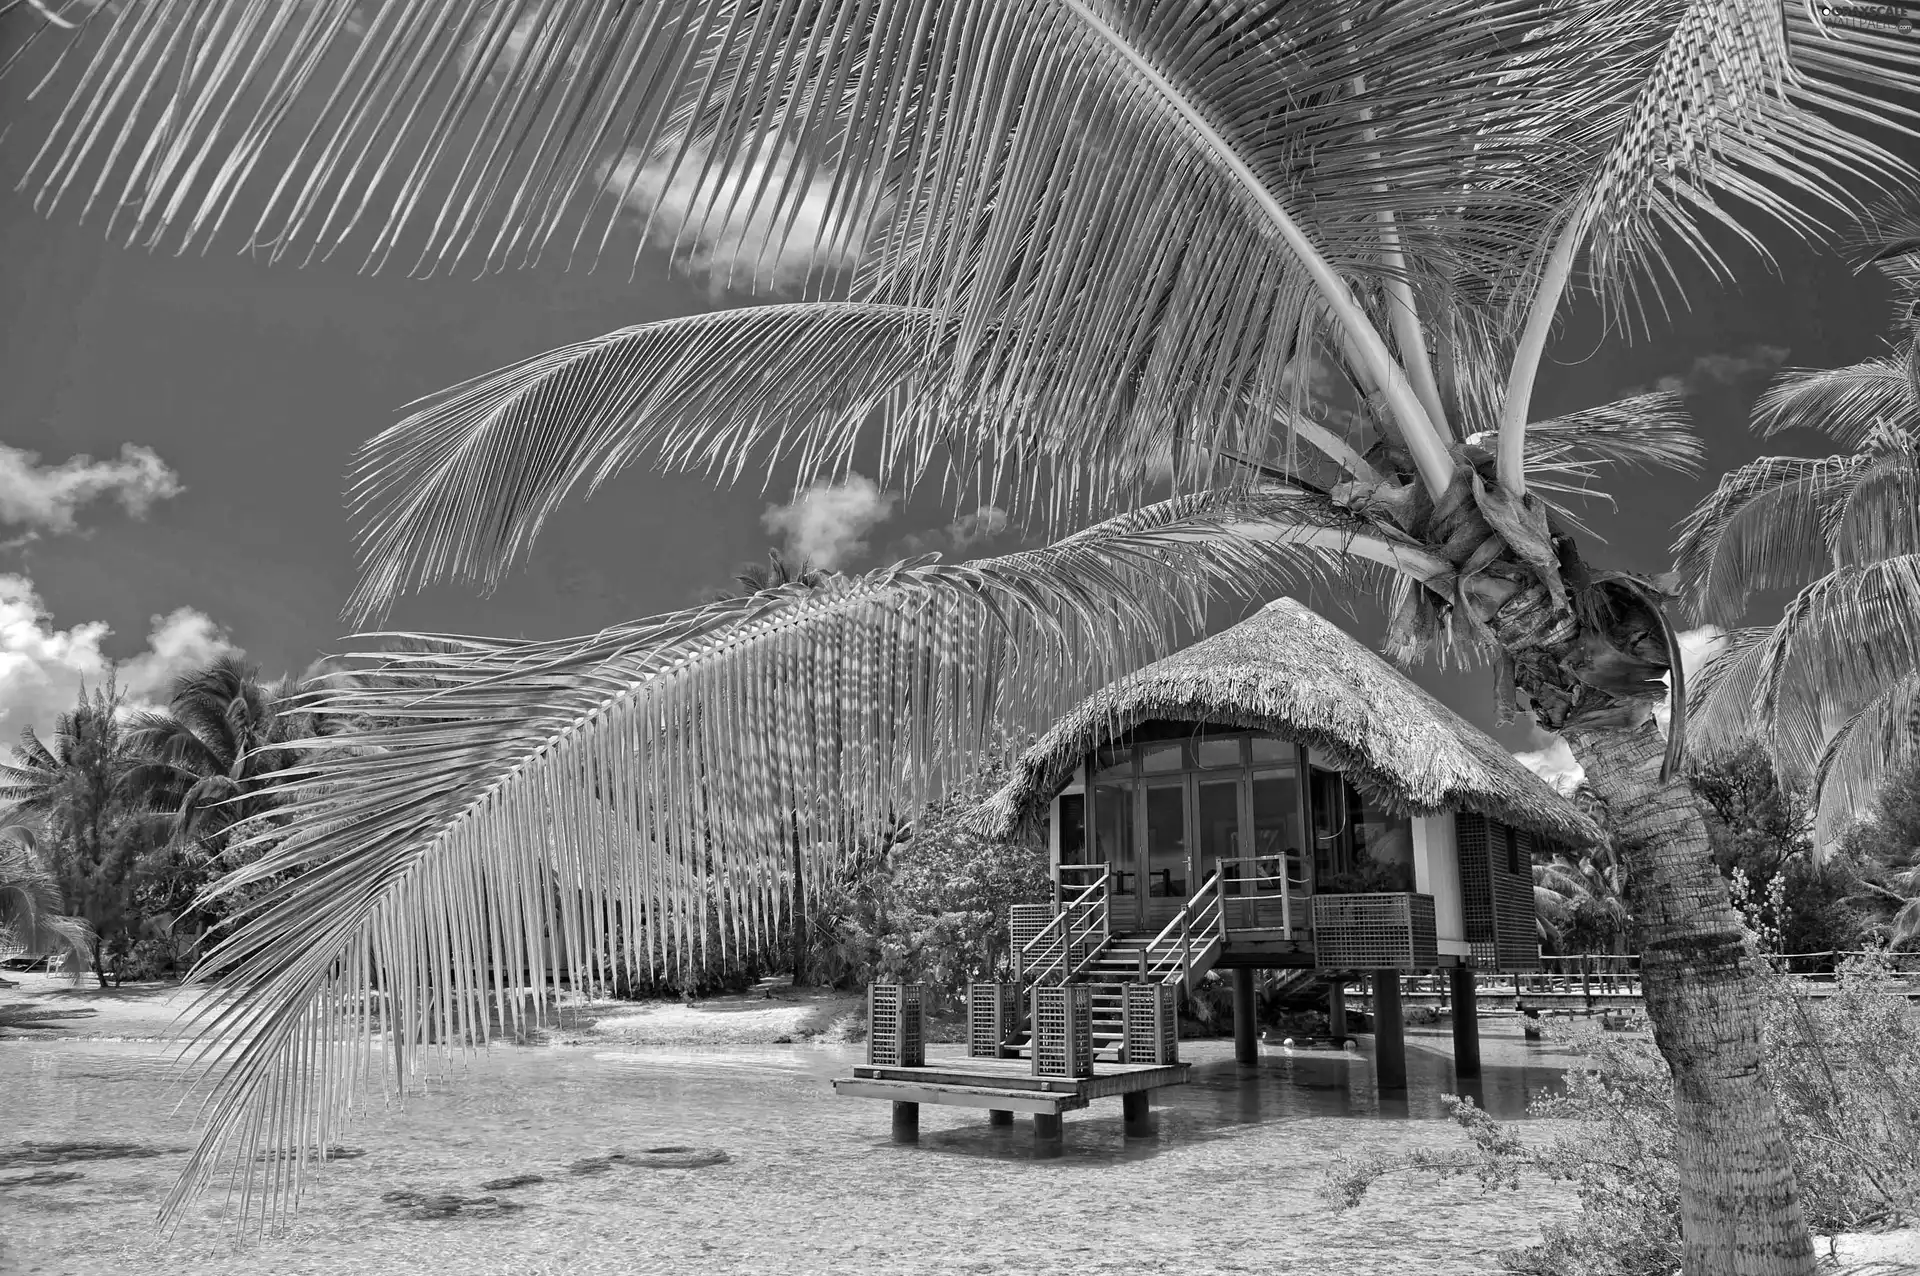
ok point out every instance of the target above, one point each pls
(1739, 1205)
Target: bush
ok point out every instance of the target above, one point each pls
(1846, 1076)
(931, 908)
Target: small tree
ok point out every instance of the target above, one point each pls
(1886, 846)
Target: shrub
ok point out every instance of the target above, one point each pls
(1845, 1073)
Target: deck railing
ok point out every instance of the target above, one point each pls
(1252, 887)
(1065, 945)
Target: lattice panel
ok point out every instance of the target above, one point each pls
(1496, 903)
(1063, 1030)
(897, 1025)
(1151, 1028)
(1374, 932)
(993, 1015)
(1026, 921)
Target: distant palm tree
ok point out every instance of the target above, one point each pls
(1833, 688)
(1069, 251)
(82, 793)
(779, 573)
(30, 905)
(1580, 901)
(208, 755)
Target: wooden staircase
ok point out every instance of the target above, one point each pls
(1077, 945)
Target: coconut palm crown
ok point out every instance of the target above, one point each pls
(1060, 254)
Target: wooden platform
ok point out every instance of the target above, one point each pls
(1004, 1085)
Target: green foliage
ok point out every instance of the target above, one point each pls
(1761, 834)
(930, 908)
(1845, 1073)
(1885, 847)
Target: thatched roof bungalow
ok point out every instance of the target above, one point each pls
(1284, 748)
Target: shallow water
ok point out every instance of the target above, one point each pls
(1229, 1181)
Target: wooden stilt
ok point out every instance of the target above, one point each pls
(1466, 1022)
(906, 1122)
(1389, 1033)
(1246, 1028)
(1134, 1108)
(1046, 1129)
(1337, 1008)
(999, 1116)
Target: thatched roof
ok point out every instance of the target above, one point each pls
(1290, 672)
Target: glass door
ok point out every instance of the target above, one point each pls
(1113, 841)
(1166, 849)
(1216, 807)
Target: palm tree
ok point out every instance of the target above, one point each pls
(1833, 688)
(30, 915)
(207, 760)
(208, 755)
(82, 792)
(779, 573)
(1059, 252)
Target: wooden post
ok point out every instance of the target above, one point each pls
(1046, 1127)
(906, 1122)
(1133, 1110)
(1337, 1008)
(999, 1116)
(1246, 1031)
(1466, 1022)
(1389, 1034)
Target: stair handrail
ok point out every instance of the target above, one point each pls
(1042, 946)
(1191, 917)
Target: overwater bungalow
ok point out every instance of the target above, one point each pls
(1274, 798)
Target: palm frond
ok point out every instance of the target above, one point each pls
(1843, 641)
(1567, 456)
(1847, 404)
(1880, 739)
(512, 811)
(1764, 527)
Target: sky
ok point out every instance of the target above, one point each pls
(177, 429)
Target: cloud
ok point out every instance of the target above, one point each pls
(1553, 761)
(45, 498)
(42, 668)
(828, 523)
(1712, 370)
(961, 535)
(750, 226)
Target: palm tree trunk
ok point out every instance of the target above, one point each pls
(802, 940)
(1740, 1210)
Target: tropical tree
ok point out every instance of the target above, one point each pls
(1833, 688)
(778, 572)
(82, 792)
(1580, 900)
(30, 915)
(224, 731)
(1063, 253)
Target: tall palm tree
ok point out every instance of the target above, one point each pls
(81, 791)
(1832, 689)
(1060, 253)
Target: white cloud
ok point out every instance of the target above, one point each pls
(746, 225)
(1553, 761)
(42, 668)
(1710, 370)
(962, 534)
(828, 523)
(1697, 647)
(45, 498)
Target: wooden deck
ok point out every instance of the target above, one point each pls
(1006, 1086)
